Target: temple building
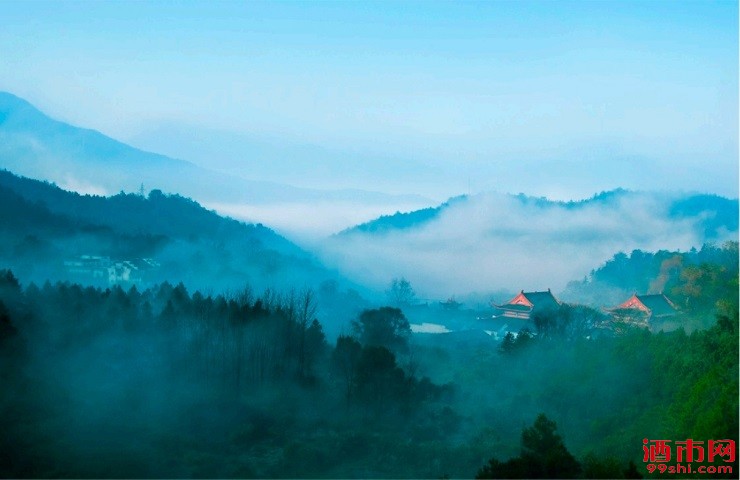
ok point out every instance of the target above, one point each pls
(525, 304)
(641, 309)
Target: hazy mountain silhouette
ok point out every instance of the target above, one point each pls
(712, 214)
(282, 159)
(402, 220)
(37, 146)
(43, 225)
(496, 241)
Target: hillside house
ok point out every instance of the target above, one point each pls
(88, 267)
(525, 304)
(642, 309)
(102, 271)
(124, 272)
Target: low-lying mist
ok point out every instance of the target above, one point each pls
(310, 222)
(494, 241)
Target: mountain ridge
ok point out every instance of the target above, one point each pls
(494, 241)
(43, 224)
(39, 146)
(684, 205)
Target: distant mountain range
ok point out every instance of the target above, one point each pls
(283, 159)
(400, 221)
(34, 145)
(474, 243)
(713, 214)
(493, 241)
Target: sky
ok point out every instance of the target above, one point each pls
(560, 99)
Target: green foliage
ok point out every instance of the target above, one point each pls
(699, 282)
(544, 455)
(315, 347)
(7, 329)
(508, 344)
(399, 221)
(41, 226)
(384, 327)
(567, 322)
(607, 467)
(513, 344)
(632, 471)
(344, 360)
(543, 449)
(373, 380)
(380, 383)
(225, 385)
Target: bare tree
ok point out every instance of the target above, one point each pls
(400, 293)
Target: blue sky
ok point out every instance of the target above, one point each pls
(549, 98)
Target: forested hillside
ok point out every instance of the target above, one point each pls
(164, 383)
(169, 382)
(42, 225)
(697, 281)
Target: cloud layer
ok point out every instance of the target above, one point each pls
(494, 241)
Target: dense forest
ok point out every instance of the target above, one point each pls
(168, 382)
(41, 225)
(695, 280)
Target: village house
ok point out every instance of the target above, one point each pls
(102, 271)
(124, 272)
(92, 267)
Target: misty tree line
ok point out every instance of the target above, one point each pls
(567, 323)
(667, 271)
(695, 280)
(545, 455)
(224, 350)
(235, 340)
